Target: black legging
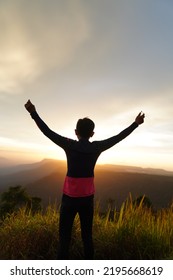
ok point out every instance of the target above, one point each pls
(70, 206)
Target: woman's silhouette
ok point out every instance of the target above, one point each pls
(78, 189)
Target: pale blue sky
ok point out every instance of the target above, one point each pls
(104, 59)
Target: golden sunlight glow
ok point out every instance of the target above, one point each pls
(17, 67)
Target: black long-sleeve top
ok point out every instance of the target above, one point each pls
(83, 154)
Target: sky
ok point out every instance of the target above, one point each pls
(103, 59)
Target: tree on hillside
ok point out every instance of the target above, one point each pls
(16, 198)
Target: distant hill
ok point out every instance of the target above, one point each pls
(29, 173)
(4, 162)
(118, 185)
(135, 169)
(45, 179)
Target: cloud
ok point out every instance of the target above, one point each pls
(38, 36)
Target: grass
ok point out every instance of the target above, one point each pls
(132, 233)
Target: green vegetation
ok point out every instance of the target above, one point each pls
(135, 232)
(15, 198)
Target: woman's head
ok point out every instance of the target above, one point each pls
(85, 128)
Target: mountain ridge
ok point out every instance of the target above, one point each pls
(126, 168)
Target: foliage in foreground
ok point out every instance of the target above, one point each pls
(133, 233)
(15, 198)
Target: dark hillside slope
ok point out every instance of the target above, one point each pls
(118, 185)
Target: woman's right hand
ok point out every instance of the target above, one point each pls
(30, 107)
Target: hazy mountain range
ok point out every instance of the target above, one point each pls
(45, 179)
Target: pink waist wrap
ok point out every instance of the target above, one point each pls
(78, 187)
